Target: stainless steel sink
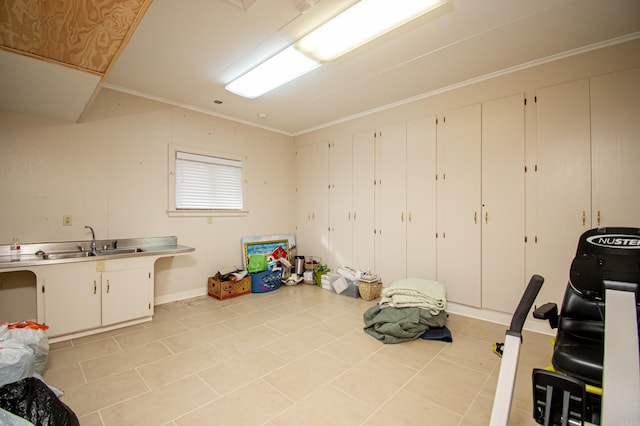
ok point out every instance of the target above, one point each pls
(124, 250)
(67, 255)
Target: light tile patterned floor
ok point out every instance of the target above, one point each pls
(295, 356)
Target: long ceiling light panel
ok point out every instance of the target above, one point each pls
(357, 25)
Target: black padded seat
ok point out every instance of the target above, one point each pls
(579, 346)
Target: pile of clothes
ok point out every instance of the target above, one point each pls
(409, 309)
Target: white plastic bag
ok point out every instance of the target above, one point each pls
(36, 339)
(17, 361)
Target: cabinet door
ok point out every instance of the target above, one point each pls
(391, 201)
(615, 149)
(72, 299)
(563, 182)
(312, 237)
(126, 295)
(340, 203)
(503, 204)
(363, 200)
(421, 197)
(458, 205)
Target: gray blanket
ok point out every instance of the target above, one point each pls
(396, 325)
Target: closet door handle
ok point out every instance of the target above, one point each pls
(486, 217)
(108, 286)
(402, 217)
(349, 216)
(354, 215)
(475, 217)
(598, 218)
(95, 286)
(584, 218)
(409, 217)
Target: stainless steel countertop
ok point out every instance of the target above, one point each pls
(37, 254)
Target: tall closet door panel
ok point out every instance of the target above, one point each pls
(340, 202)
(363, 201)
(391, 203)
(304, 189)
(503, 203)
(615, 148)
(458, 205)
(319, 201)
(564, 181)
(421, 197)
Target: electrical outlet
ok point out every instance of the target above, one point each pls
(67, 220)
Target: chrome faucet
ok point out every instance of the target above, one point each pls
(93, 239)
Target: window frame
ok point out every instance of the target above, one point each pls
(173, 211)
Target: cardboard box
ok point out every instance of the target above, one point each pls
(226, 289)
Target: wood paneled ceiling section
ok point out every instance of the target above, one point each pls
(83, 34)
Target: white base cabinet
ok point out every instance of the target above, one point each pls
(87, 295)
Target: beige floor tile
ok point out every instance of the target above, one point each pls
(332, 307)
(472, 353)
(124, 360)
(292, 323)
(340, 325)
(253, 319)
(161, 405)
(416, 353)
(208, 318)
(197, 337)
(327, 406)
(92, 419)
(74, 354)
(407, 409)
(286, 307)
(93, 396)
(176, 311)
(253, 404)
(480, 414)
(174, 367)
(298, 344)
(374, 380)
(303, 376)
(457, 324)
(353, 347)
(241, 370)
(64, 377)
(107, 334)
(448, 385)
(246, 341)
(487, 331)
(158, 331)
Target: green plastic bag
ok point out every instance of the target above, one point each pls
(257, 263)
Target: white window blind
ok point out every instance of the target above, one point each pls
(207, 183)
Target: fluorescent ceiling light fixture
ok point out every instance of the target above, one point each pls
(361, 23)
(274, 72)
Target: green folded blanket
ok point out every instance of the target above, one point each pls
(396, 325)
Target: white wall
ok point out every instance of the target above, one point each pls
(110, 172)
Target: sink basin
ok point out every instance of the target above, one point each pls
(119, 251)
(67, 255)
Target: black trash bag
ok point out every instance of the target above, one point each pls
(32, 400)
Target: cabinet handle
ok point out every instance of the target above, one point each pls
(349, 216)
(95, 286)
(108, 286)
(402, 217)
(598, 218)
(354, 215)
(584, 218)
(409, 217)
(313, 215)
(486, 217)
(475, 217)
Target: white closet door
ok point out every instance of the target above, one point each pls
(503, 185)
(615, 148)
(363, 201)
(421, 197)
(391, 201)
(458, 206)
(340, 202)
(319, 200)
(564, 181)
(304, 189)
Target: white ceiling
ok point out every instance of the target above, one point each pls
(184, 52)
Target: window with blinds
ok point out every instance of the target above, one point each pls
(205, 182)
